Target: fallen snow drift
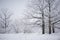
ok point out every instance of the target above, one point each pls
(30, 36)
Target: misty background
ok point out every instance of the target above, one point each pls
(15, 6)
(21, 19)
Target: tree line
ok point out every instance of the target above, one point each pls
(40, 13)
(45, 12)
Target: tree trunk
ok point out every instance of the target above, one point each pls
(53, 30)
(49, 17)
(43, 29)
(43, 23)
(49, 27)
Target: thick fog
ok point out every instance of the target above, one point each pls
(17, 7)
(26, 15)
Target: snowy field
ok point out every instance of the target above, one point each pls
(30, 36)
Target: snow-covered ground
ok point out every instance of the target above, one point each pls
(30, 36)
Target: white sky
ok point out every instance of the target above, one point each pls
(16, 6)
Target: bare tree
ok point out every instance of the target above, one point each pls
(53, 28)
(43, 23)
(40, 10)
(52, 10)
(5, 16)
(49, 3)
(37, 13)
